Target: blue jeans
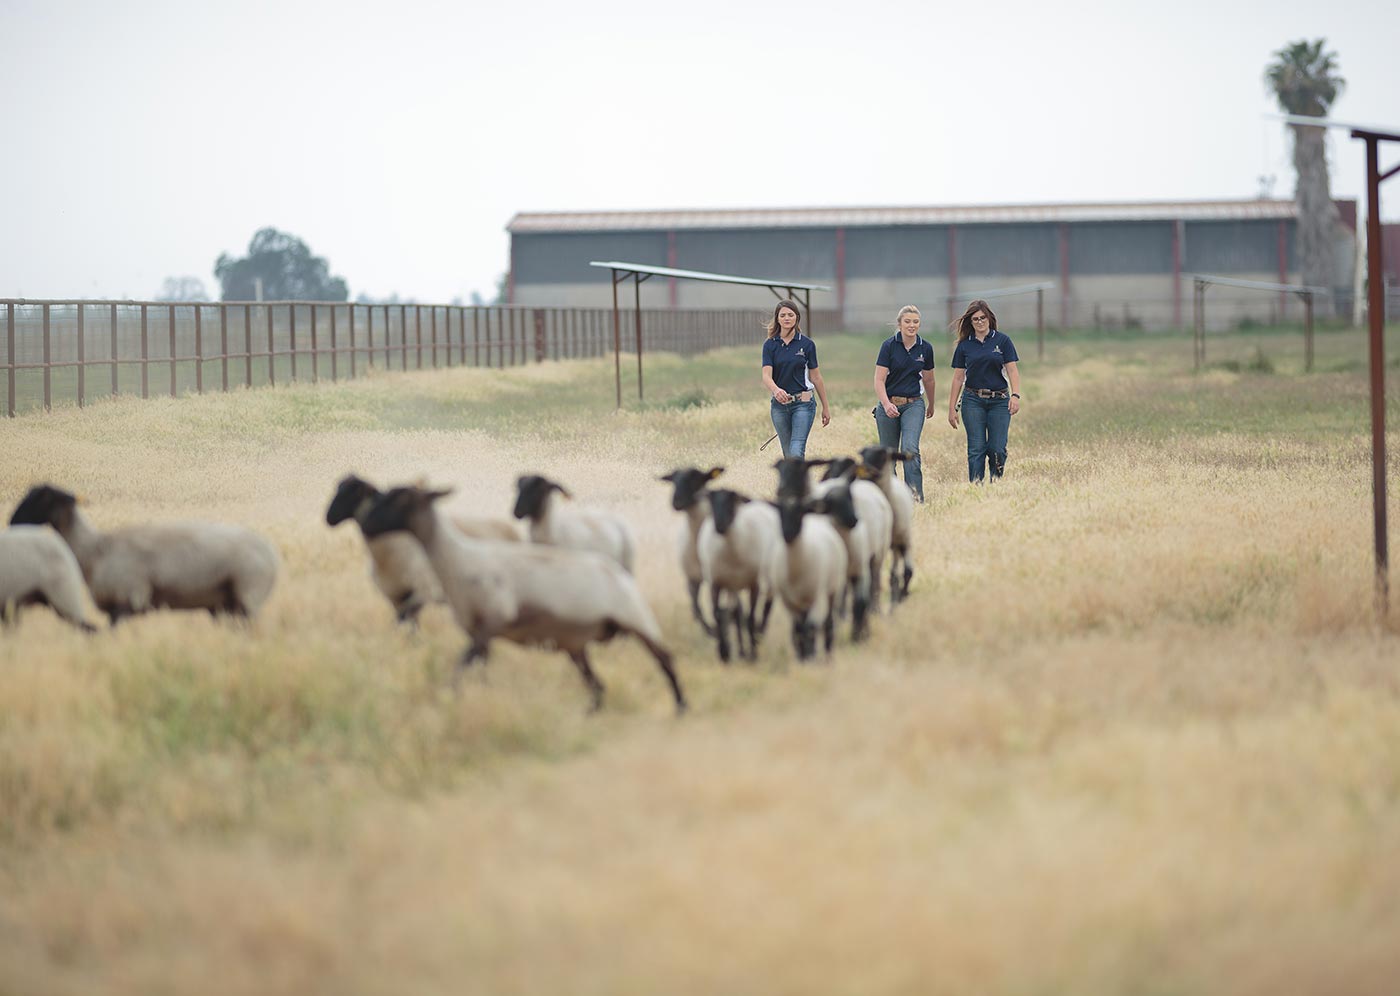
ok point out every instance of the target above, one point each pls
(793, 423)
(988, 422)
(903, 434)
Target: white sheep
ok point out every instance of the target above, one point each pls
(878, 464)
(398, 566)
(37, 568)
(808, 570)
(572, 528)
(862, 517)
(529, 594)
(688, 496)
(734, 545)
(182, 565)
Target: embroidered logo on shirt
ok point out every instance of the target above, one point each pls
(996, 349)
(801, 351)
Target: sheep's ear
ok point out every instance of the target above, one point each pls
(715, 472)
(901, 455)
(421, 482)
(668, 478)
(563, 491)
(79, 500)
(862, 471)
(438, 495)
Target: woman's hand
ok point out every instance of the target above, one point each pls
(1014, 404)
(928, 413)
(953, 418)
(826, 416)
(891, 409)
(781, 396)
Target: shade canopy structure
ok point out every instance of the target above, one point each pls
(1375, 309)
(639, 272)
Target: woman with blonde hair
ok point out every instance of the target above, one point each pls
(904, 393)
(790, 373)
(987, 380)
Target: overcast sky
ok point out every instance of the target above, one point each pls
(141, 139)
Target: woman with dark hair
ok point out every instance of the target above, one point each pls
(790, 373)
(988, 383)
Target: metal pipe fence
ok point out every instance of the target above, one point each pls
(69, 351)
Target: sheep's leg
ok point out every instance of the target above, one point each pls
(477, 650)
(908, 572)
(829, 629)
(875, 568)
(663, 661)
(767, 611)
(751, 620)
(585, 670)
(721, 622)
(860, 622)
(696, 610)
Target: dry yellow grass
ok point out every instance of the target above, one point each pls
(1136, 730)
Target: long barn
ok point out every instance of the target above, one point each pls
(1107, 265)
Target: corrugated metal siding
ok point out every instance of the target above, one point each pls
(896, 253)
(1226, 247)
(1120, 248)
(793, 254)
(1007, 250)
(562, 258)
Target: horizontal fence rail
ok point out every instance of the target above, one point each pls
(61, 352)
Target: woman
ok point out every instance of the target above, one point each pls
(790, 373)
(904, 392)
(986, 379)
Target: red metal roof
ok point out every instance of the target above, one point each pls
(829, 217)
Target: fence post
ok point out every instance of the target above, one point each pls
(1308, 332)
(418, 332)
(1040, 323)
(271, 349)
(171, 330)
(10, 347)
(432, 328)
(248, 345)
(145, 356)
(292, 333)
(350, 314)
(223, 347)
(198, 352)
(315, 349)
(82, 357)
(539, 335)
(113, 331)
(335, 371)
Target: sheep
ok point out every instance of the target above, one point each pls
(37, 568)
(533, 595)
(398, 566)
(862, 517)
(688, 496)
(734, 545)
(574, 528)
(184, 565)
(878, 462)
(808, 570)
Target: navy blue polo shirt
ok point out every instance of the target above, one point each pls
(905, 366)
(983, 360)
(791, 362)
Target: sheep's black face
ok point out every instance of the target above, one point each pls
(839, 467)
(688, 485)
(724, 505)
(790, 513)
(392, 511)
(792, 477)
(529, 503)
(45, 505)
(837, 503)
(350, 496)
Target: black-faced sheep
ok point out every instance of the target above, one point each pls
(221, 568)
(734, 545)
(529, 594)
(551, 524)
(398, 566)
(688, 486)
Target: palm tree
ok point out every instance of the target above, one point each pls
(1304, 78)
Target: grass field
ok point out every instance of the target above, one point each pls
(1136, 730)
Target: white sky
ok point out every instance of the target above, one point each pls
(140, 139)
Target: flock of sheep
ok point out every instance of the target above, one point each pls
(821, 549)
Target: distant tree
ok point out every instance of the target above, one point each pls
(1305, 80)
(286, 267)
(503, 288)
(183, 289)
(363, 298)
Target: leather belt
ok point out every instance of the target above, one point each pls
(983, 392)
(804, 396)
(897, 399)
